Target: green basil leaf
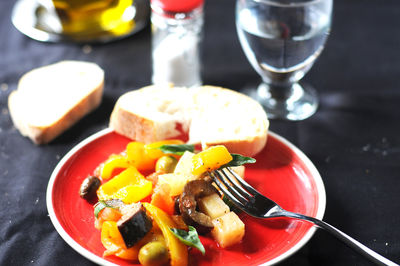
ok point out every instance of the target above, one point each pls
(190, 238)
(178, 149)
(239, 160)
(99, 206)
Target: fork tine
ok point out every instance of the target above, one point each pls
(256, 196)
(227, 190)
(233, 181)
(241, 181)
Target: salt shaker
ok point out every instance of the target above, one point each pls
(176, 38)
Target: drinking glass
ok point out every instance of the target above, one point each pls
(79, 20)
(282, 39)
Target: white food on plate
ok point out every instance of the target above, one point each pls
(210, 115)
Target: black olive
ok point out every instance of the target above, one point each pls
(89, 187)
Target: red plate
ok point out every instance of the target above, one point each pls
(282, 172)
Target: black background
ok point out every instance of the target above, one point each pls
(353, 139)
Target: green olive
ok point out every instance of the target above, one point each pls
(153, 254)
(166, 164)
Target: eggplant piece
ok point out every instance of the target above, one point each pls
(134, 223)
(192, 191)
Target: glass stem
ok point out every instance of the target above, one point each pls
(279, 92)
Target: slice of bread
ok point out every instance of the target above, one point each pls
(229, 118)
(52, 98)
(151, 113)
(209, 115)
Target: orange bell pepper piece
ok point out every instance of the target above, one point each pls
(210, 159)
(114, 243)
(107, 214)
(177, 250)
(162, 199)
(129, 186)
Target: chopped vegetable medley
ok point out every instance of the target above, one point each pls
(155, 199)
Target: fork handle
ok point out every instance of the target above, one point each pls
(351, 242)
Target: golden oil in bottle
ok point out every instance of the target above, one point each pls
(91, 17)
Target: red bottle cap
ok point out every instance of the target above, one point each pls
(177, 6)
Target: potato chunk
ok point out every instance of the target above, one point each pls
(213, 206)
(176, 181)
(228, 230)
(185, 164)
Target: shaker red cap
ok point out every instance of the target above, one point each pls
(177, 6)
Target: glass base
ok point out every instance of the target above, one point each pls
(294, 103)
(42, 24)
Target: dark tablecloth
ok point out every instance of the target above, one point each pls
(353, 139)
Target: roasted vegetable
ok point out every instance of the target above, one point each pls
(134, 224)
(89, 187)
(166, 164)
(162, 199)
(106, 214)
(153, 254)
(113, 242)
(192, 191)
(176, 181)
(113, 163)
(213, 206)
(210, 159)
(144, 156)
(129, 186)
(177, 250)
(138, 157)
(228, 230)
(133, 229)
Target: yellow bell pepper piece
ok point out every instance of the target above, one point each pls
(129, 186)
(137, 156)
(144, 156)
(177, 250)
(152, 149)
(112, 163)
(210, 159)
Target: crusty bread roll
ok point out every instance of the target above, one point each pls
(151, 113)
(209, 115)
(52, 98)
(229, 118)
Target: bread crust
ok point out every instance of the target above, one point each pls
(246, 147)
(132, 125)
(43, 134)
(127, 122)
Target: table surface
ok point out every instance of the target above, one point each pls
(353, 139)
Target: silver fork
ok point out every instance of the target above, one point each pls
(249, 200)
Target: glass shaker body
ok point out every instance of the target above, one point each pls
(176, 39)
